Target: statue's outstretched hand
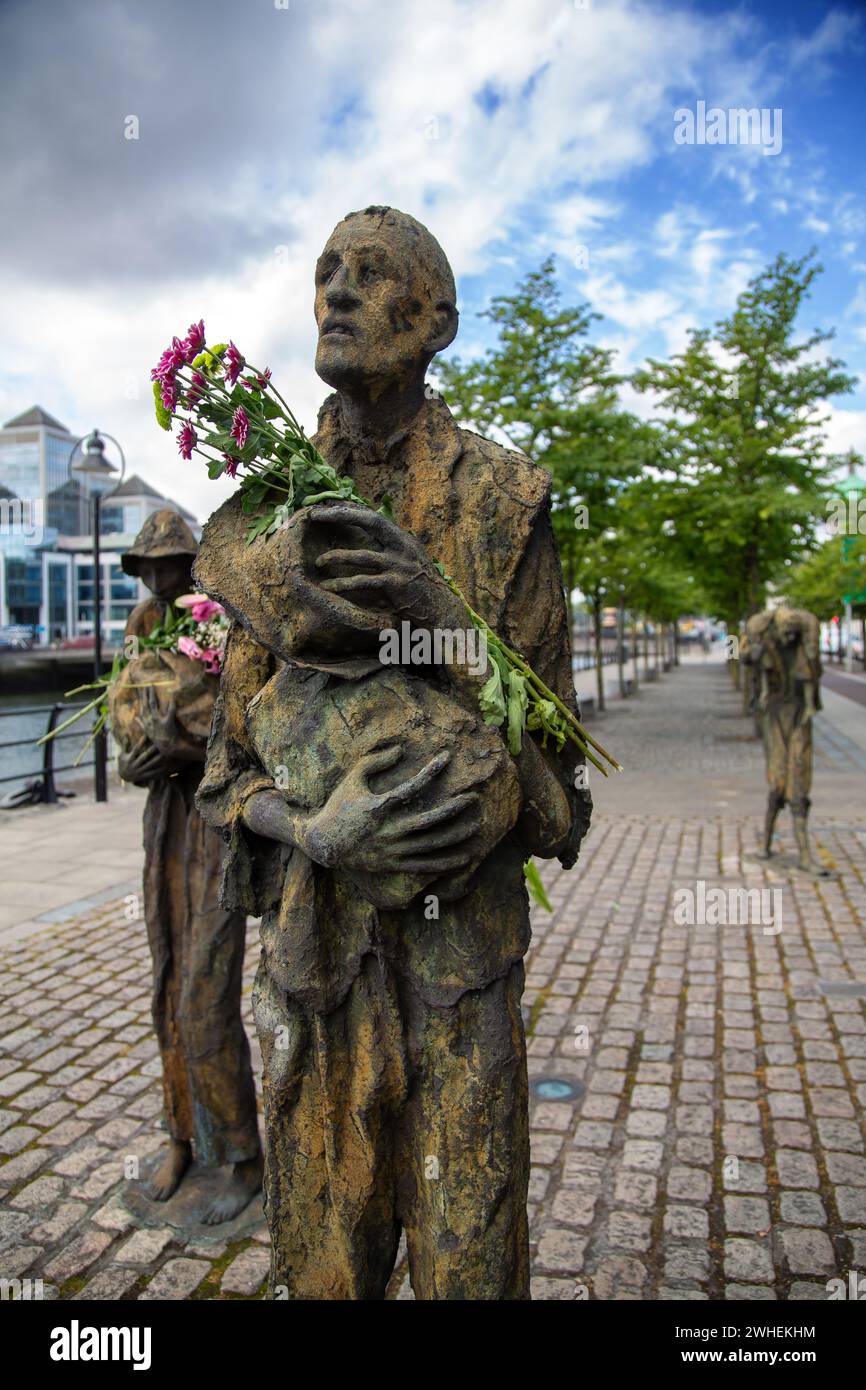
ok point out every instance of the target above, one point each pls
(376, 832)
(360, 829)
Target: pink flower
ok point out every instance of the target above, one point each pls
(187, 440)
(240, 427)
(170, 362)
(234, 364)
(210, 657)
(188, 647)
(258, 382)
(197, 389)
(169, 393)
(231, 465)
(201, 607)
(195, 340)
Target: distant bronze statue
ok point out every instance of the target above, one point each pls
(781, 649)
(374, 821)
(161, 712)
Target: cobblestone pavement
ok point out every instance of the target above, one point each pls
(697, 1112)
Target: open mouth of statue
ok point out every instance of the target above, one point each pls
(333, 329)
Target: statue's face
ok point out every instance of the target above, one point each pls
(167, 578)
(376, 322)
(789, 631)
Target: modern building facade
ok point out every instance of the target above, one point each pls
(46, 538)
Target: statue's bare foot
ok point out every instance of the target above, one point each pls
(240, 1187)
(170, 1171)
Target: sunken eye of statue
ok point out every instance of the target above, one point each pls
(326, 271)
(369, 275)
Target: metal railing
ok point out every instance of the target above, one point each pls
(41, 781)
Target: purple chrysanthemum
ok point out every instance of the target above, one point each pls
(197, 388)
(240, 427)
(257, 382)
(169, 392)
(195, 339)
(234, 364)
(169, 363)
(231, 465)
(187, 440)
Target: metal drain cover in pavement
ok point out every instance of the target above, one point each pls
(551, 1088)
(848, 989)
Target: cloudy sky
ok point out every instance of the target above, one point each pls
(513, 128)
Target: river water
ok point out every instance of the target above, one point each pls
(24, 762)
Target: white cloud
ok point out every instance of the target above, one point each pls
(543, 113)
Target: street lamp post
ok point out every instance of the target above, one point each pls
(94, 465)
(851, 489)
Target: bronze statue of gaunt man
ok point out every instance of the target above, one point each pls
(372, 819)
(196, 945)
(782, 649)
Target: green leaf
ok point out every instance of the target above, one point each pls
(163, 416)
(271, 409)
(535, 885)
(491, 699)
(386, 509)
(259, 527)
(216, 468)
(517, 706)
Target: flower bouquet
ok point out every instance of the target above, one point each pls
(194, 631)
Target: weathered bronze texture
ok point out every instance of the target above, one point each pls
(782, 649)
(372, 819)
(161, 711)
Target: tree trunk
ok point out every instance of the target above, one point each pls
(620, 668)
(635, 652)
(646, 666)
(599, 669)
(677, 642)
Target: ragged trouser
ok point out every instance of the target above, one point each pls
(198, 952)
(387, 1113)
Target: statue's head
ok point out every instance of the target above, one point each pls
(795, 625)
(385, 302)
(788, 623)
(162, 555)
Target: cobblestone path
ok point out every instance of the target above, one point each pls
(697, 1090)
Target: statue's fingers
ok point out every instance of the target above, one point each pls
(353, 582)
(428, 840)
(425, 820)
(413, 785)
(350, 514)
(375, 558)
(379, 760)
(150, 761)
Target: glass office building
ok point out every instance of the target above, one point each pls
(46, 543)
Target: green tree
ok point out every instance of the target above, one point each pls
(548, 391)
(743, 441)
(821, 582)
